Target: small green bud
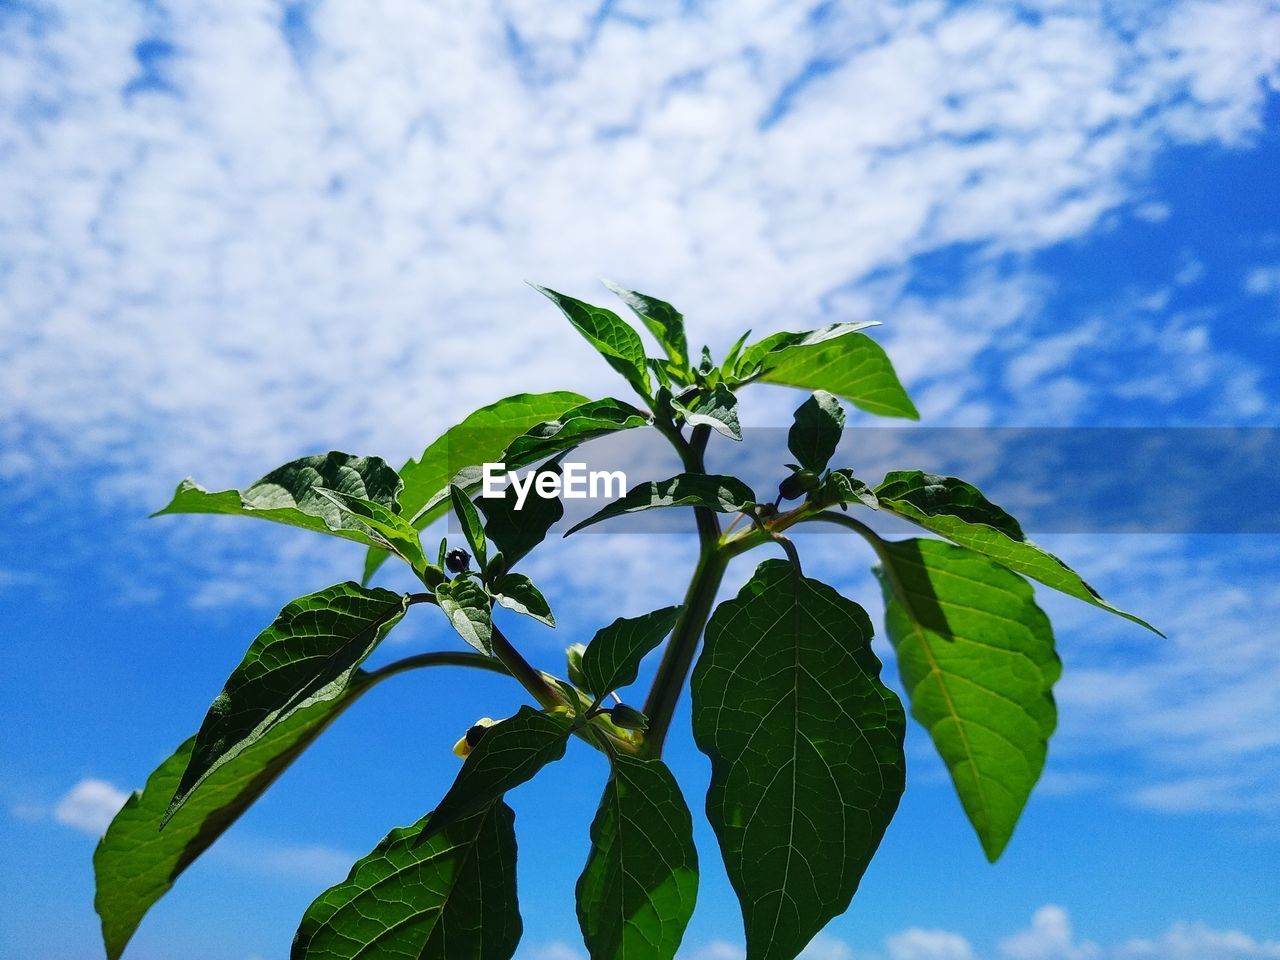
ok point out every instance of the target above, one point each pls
(574, 655)
(798, 484)
(628, 718)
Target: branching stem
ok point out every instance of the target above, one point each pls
(440, 658)
(673, 669)
(523, 671)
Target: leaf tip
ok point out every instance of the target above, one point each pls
(1154, 629)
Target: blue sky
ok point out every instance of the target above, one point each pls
(232, 234)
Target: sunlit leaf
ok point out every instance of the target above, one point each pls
(466, 605)
(612, 336)
(976, 657)
(450, 897)
(852, 366)
(509, 753)
(717, 409)
(469, 519)
(394, 529)
(516, 592)
(722, 494)
(638, 889)
(806, 752)
(958, 511)
(478, 439)
(517, 528)
(290, 495)
(612, 658)
(664, 321)
(308, 655)
(816, 431)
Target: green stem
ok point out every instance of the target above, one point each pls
(699, 598)
(442, 658)
(678, 657)
(508, 661)
(844, 520)
(523, 671)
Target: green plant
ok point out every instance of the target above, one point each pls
(805, 741)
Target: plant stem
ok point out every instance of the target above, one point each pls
(508, 661)
(442, 658)
(523, 671)
(678, 657)
(844, 520)
(701, 594)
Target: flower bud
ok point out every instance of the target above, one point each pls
(574, 655)
(467, 742)
(628, 718)
(457, 561)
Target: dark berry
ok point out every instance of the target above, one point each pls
(798, 484)
(457, 561)
(475, 733)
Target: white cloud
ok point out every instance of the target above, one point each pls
(824, 947)
(309, 862)
(305, 249)
(1153, 212)
(264, 252)
(1048, 937)
(715, 950)
(89, 806)
(1262, 280)
(554, 950)
(1195, 941)
(919, 944)
(314, 864)
(1190, 714)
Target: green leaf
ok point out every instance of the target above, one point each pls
(638, 889)
(723, 494)
(472, 529)
(731, 358)
(397, 532)
(806, 752)
(706, 366)
(466, 605)
(664, 321)
(289, 495)
(852, 366)
(958, 511)
(509, 754)
(754, 356)
(136, 862)
(612, 659)
(516, 592)
(516, 530)
(976, 657)
(816, 431)
(308, 655)
(717, 409)
(574, 427)
(478, 439)
(612, 336)
(452, 897)
(843, 487)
